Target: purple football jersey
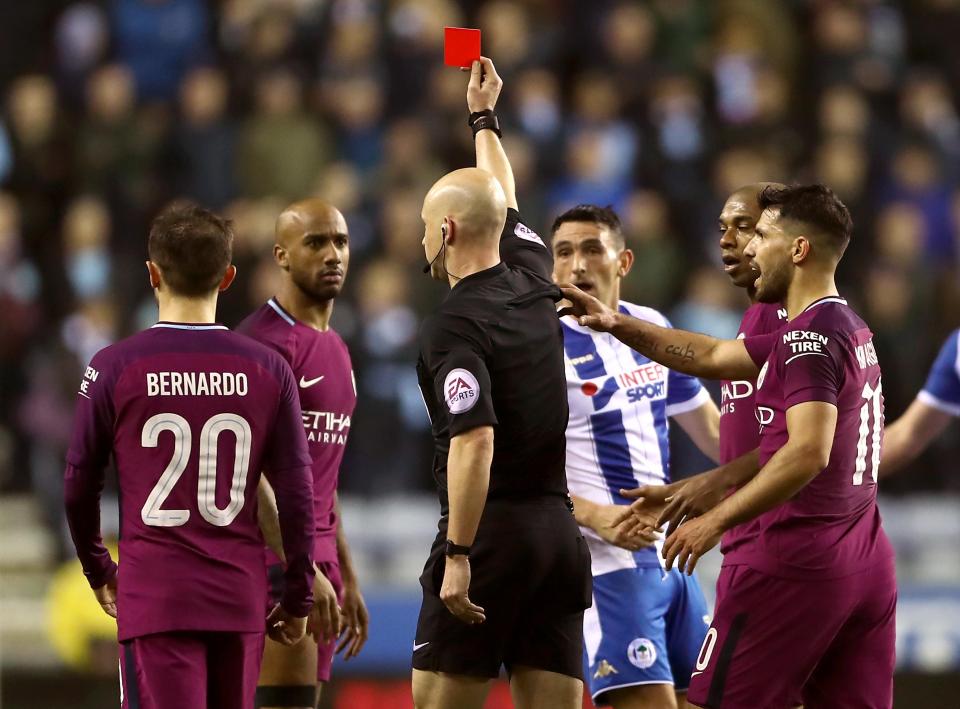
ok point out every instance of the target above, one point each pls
(739, 430)
(191, 414)
(831, 527)
(321, 365)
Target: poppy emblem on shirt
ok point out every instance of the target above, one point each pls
(462, 390)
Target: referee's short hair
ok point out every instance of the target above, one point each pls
(593, 214)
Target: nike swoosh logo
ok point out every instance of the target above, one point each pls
(417, 647)
(694, 674)
(304, 383)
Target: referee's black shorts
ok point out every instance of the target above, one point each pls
(530, 572)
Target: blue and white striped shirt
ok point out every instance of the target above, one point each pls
(618, 432)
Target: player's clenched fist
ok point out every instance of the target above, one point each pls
(484, 87)
(453, 592)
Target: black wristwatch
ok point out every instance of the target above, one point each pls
(457, 549)
(484, 120)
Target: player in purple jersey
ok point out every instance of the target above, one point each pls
(739, 431)
(191, 413)
(313, 253)
(806, 608)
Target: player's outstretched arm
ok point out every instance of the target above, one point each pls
(687, 352)
(356, 619)
(482, 94)
(811, 427)
(468, 478)
(909, 435)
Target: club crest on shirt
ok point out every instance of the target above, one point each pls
(461, 390)
(642, 653)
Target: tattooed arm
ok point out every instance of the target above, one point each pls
(687, 352)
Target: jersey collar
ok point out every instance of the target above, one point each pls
(827, 299)
(189, 326)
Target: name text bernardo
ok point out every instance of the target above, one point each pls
(196, 384)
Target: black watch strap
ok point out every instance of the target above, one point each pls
(484, 120)
(457, 549)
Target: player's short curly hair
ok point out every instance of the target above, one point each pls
(192, 246)
(592, 214)
(816, 207)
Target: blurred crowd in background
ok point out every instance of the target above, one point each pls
(660, 108)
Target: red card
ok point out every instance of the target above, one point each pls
(461, 46)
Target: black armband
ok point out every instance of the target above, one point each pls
(484, 120)
(456, 549)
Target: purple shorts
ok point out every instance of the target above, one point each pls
(190, 669)
(779, 643)
(330, 569)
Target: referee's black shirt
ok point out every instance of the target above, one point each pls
(492, 354)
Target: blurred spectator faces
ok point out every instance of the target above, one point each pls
(743, 165)
(402, 227)
(82, 38)
(926, 106)
(420, 22)
(537, 98)
(86, 232)
(33, 109)
(596, 98)
(843, 163)
(676, 110)
(900, 235)
(629, 34)
(844, 111)
(203, 96)
(279, 93)
(111, 94)
(840, 28)
(506, 32)
(388, 322)
(272, 36)
(356, 102)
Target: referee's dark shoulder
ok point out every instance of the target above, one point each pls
(453, 324)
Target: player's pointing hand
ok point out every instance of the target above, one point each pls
(588, 311)
(453, 593)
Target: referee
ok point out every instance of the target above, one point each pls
(508, 577)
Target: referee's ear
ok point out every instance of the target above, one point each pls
(626, 263)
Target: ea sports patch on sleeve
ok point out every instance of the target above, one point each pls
(461, 390)
(525, 232)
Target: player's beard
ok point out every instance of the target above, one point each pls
(318, 292)
(774, 282)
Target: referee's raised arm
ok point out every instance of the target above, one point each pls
(482, 94)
